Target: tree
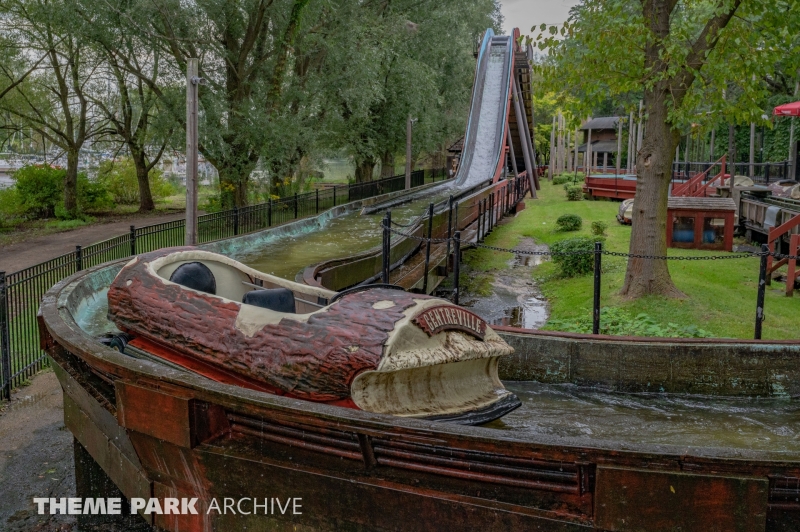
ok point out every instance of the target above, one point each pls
(54, 102)
(682, 56)
(415, 59)
(135, 114)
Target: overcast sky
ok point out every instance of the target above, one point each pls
(524, 14)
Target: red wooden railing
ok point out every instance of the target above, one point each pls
(695, 187)
(775, 234)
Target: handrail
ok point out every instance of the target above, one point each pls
(695, 186)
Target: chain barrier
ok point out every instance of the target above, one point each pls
(754, 254)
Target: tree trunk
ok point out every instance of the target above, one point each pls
(364, 170)
(234, 176)
(145, 196)
(648, 226)
(71, 184)
(387, 164)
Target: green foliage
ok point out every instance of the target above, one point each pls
(562, 179)
(119, 178)
(93, 195)
(617, 322)
(10, 208)
(599, 228)
(576, 263)
(574, 192)
(39, 189)
(69, 224)
(569, 222)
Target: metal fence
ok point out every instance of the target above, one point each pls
(20, 292)
(763, 173)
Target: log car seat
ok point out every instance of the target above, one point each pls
(277, 299)
(195, 275)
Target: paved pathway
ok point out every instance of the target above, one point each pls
(15, 257)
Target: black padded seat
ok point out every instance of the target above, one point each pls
(277, 299)
(195, 275)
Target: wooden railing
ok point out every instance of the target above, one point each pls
(773, 237)
(697, 186)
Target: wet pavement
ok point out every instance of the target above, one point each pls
(36, 456)
(515, 300)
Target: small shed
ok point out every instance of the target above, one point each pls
(700, 223)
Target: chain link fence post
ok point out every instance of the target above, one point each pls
(456, 264)
(598, 254)
(762, 287)
(428, 249)
(387, 245)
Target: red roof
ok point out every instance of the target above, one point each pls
(788, 109)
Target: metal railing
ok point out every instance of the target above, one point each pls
(20, 292)
(763, 173)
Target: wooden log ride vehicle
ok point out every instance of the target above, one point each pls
(152, 429)
(381, 350)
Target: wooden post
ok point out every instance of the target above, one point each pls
(552, 149)
(409, 124)
(513, 162)
(567, 152)
(588, 153)
(605, 162)
(792, 162)
(752, 149)
(527, 148)
(619, 144)
(631, 129)
(192, 83)
(575, 162)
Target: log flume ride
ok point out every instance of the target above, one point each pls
(181, 401)
(380, 350)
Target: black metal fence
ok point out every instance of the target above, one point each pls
(20, 292)
(763, 173)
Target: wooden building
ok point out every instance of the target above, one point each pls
(601, 134)
(700, 223)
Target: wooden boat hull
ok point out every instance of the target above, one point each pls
(160, 432)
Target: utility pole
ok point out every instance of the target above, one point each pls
(192, 82)
(409, 124)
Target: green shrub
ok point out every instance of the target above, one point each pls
(93, 195)
(40, 188)
(569, 222)
(561, 179)
(576, 263)
(575, 193)
(10, 209)
(119, 178)
(618, 322)
(599, 228)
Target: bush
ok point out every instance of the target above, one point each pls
(10, 209)
(577, 264)
(93, 195)
(561, 179)
(40, 188)
(575, 193)
(119, 178)
(569, 222)
(599, 228)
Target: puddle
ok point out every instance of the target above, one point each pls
(515, 300)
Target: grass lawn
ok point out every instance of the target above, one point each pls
(721, 295)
